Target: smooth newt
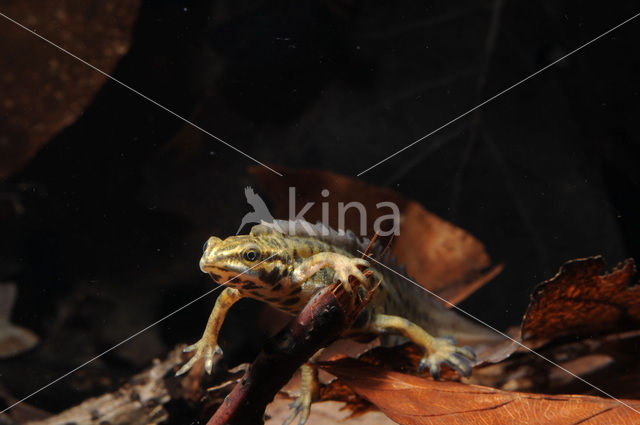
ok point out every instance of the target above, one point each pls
(285, 263)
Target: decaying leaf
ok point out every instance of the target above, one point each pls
(440, 256)
(46, 90)
(445, 259)
(581, 301)
(413, 400)
(603, 355)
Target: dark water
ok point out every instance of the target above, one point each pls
(122, 200)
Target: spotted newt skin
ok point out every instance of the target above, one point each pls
(285, 263)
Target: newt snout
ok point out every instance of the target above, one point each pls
(209, 246)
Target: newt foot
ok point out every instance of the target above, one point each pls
(444, 350)
(349, 267)
(203, 350)
(302, 406)
(342, 266)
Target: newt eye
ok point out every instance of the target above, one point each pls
(251, 255)
(205, 246)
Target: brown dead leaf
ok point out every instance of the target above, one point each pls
(580, 319)
(45, 90)
(580, 301)
(440, 256)
(452, 263)
(413, 400)
(336, 390)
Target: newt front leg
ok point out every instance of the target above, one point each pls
(342, 266)
(207, 346)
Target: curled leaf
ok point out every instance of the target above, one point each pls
(581, 301)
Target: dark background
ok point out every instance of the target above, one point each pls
(117, 205)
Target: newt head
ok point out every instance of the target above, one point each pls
(245, 261)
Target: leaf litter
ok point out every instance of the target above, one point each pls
(582, 319)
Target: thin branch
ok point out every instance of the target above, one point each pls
(324, 318)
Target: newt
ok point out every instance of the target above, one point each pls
(285, 263)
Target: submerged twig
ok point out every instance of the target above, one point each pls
(145, 397)
(324, 318)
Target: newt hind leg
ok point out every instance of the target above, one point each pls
(309, 391)
(436, 350)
